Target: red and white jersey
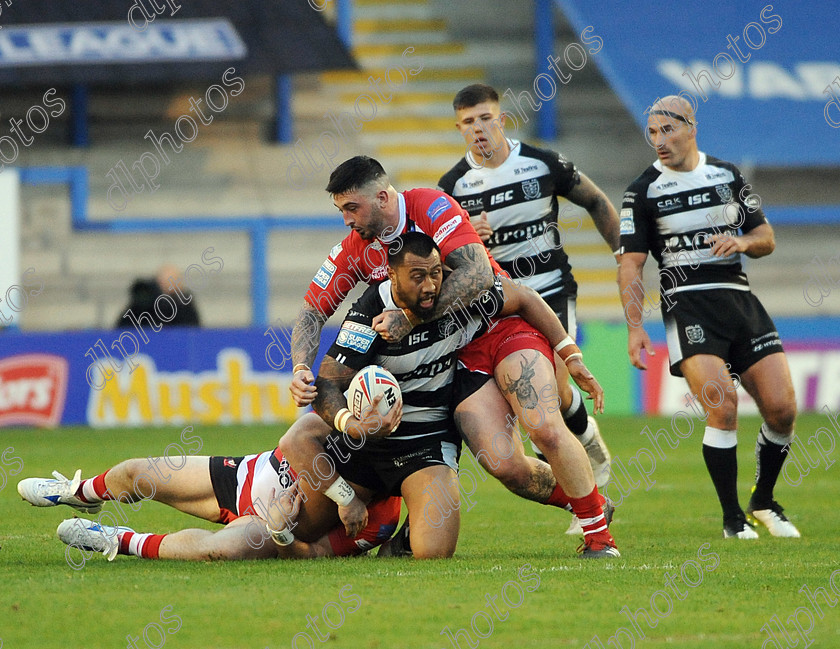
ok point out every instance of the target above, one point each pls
(355, 260)
(256, 476)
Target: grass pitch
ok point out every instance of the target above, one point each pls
(515, 580)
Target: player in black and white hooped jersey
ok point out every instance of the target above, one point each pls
(696, 215)
(511, 191)
(415, 454)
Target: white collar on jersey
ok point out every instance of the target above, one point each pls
(400, 225)
(513, 144)
(385, 295)
(701, 162)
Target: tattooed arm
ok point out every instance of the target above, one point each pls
(589, 196)
(333, 380)
(471, 274)
(306, 337)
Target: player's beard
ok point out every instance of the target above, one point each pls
(424, 312)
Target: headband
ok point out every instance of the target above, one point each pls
(668, 113)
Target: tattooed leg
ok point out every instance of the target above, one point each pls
(486, 422)
(526, 378)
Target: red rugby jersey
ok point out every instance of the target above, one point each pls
(355, 260)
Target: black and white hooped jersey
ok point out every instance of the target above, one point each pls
(672, 214)
(520, 198)
(423, 362)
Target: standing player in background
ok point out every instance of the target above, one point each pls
(687, 209)
(510, 190)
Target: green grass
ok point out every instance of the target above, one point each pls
(402, 603)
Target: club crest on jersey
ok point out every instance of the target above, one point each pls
(531, 188)
(355, 336)
(446, 326)
(724, 192)
(695, 334)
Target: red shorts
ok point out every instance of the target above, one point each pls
(383, 516)
(505, 337)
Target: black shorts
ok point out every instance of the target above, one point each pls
(565, 306)
(726, 323)
(466, 384)
(382, 465)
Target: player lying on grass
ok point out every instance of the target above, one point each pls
(376, 212)
(251, 495)
(418, 460)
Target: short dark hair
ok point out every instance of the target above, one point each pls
(354, 173)
(474, 95)
(417, 243)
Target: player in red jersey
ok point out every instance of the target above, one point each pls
(257, 497)
(377, 214)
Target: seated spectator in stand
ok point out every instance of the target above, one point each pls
(146, 291)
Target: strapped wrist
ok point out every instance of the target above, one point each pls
(281, 537)
(342, 417)
(340, 492)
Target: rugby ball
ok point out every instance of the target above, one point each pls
(368, 384)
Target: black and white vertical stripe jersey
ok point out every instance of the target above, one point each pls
(423, 362)
(520, 198)
(672, 214)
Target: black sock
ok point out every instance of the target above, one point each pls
(769, 458)
(722, 464)
(576, 418)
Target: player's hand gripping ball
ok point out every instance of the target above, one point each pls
(368, 384)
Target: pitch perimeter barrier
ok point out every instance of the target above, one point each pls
(240, 376)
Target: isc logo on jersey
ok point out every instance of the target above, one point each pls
(355, 336)
(324, 274)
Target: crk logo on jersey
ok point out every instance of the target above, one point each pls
(473, 204)
(531, 188)
(33, 388)
(699, 199)
(669, 204)
(229, 462)
(501, 197)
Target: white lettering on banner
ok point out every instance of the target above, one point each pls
(802, 81)
(202, 39)
(815, 376)
(231, 393)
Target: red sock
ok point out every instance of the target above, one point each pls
(94, 490)
(140, 545)
(558, 498)
(589, 510)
